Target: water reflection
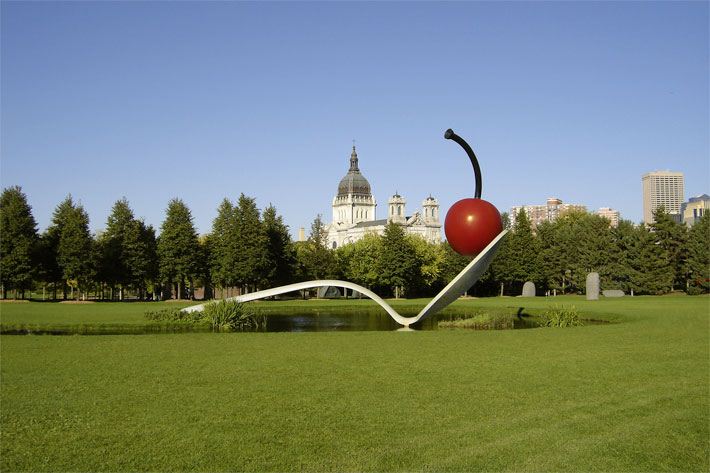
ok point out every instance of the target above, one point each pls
(360, 321)
(332, 320)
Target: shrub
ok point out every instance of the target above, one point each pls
(225, 316)
(222, 316)
(560, 316)
(174, 315)
(480, 321)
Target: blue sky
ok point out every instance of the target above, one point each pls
(207, 100)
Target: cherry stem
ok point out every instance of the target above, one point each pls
(450, 135)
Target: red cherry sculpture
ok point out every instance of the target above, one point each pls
(471, 224)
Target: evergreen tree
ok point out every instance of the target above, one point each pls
(113, 243)
(222, 246)
(140, 254)
(621, 253)
(251, 251)
(178, 251)
(553, 264)
(523, 250)
(48, 271)
(698, 248)
(315, 259)
(399, 266)
(75, 249)
(281, 256)
(595, 244)
(18, 245)
(671, 236)
(651, 271)
(50, 246)
(505, 220)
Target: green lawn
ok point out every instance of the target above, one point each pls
(628, 396)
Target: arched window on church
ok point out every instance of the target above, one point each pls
(426, 212)
(335, 245)
(399, 210)
(365, 213)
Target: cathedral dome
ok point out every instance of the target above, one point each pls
(354, 182)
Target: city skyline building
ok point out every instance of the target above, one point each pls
(662, 188)
(612, 215)
(549, 212)
(693, 210)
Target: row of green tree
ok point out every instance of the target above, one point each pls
(248, 249)
(245, 249)
(557, 256)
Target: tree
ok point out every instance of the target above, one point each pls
(452, 263)
(431, 262)
(113, 242)
(51, 269)
(671, 236)
(399, 266)
(594, 243)
(315, 259)
(18, 245)
(698, 263)
(75, 249)
(652, 273)
(523, 251)
(222, 247)
(571, 247)
(178, 251)
(359, 261)
(251, 256)
(280, 254)
(140, 253)
(621, 254)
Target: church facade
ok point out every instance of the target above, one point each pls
(354, 212)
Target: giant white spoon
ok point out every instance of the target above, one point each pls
(460, 284)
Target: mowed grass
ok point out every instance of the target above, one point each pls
(628, 396)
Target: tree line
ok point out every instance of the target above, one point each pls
(247, 250)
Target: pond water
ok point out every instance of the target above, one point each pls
(315, 321)
(359, 321)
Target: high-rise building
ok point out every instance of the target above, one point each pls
(694, 209)
(610, 214)
(662, 188)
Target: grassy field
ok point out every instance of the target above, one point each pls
(628, 396)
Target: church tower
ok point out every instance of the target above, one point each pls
(396, 212)
(354, 202)
(431, 210)
(431, 219)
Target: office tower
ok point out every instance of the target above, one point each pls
(662, 188)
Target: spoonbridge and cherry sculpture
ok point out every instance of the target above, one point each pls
(460, 284)
(472, 227)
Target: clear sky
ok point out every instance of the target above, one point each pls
(207, 100)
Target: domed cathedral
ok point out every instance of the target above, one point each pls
(354, 212)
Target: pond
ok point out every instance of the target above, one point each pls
(360, 321)
(311, 321)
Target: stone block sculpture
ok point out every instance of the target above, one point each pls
(593, 286)
(529, 289)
